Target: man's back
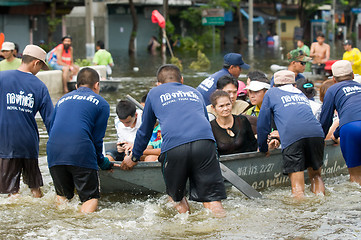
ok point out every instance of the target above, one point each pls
(209, 85)
(292, 115)
(23, 96)
(181, 113)
(77, 140)
(102, 57)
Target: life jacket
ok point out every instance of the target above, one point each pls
(65, 57)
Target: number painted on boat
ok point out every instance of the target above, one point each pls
(255, 169)
(266, 168)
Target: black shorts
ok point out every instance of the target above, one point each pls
(11, 169)
(196, 161)
(66, 178)
(117, 156)
(305, 153)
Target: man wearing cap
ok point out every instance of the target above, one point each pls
(61, 58)
(24, 96)
(345, 98)
(10, 62)
(233, 65)
(257, 88)
(353, 55)
(297, 60)
(300, 133)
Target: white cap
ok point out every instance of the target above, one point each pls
(341, 68)
(7, 46)
(257, 86)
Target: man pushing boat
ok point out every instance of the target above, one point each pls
(188, 148)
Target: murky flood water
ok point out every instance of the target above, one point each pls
(124, 216)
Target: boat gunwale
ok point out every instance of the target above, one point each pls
(222, 158)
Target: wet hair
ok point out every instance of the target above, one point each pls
(218, 94)
(320, 34)
(100, 44)
(258, 76)
(87, 77)
(323, 89)
(169, 73)
(307, 87)
(125, 109)
(344, 78)
(16, 47)
(225, 80)
(65, 37)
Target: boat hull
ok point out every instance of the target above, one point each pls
(256, 169)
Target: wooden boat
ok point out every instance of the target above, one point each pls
(256, 169)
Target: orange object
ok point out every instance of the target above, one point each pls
(158, 18)
(2, 38)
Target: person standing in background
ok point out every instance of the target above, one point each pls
(352, 55)
(103, 57)
(10, 62)
(320, 52)
(301, 46)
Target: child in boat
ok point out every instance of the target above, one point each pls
(233, 133)
(345, 97)
(307, 87)
(300, 133)
(127, 123)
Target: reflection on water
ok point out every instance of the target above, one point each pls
(124, 216)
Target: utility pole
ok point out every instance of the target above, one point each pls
(250, 23)
(89, 29)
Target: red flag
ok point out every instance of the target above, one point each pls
(158, 18)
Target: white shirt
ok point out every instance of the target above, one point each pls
(127, 134)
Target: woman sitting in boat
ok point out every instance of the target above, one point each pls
(233, 133)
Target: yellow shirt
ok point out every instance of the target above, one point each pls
(253, 111)
(354, 56)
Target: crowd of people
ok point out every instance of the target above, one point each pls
(177, 124)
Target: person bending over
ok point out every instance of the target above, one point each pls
(300, 133)
(180, 107)
(75, 144)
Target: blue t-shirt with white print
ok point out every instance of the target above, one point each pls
(292, 115)
(345, 98)
(181, 113)
(209, 85)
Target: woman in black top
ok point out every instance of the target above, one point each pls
(232, 133)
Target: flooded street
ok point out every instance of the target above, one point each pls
(123, 216)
